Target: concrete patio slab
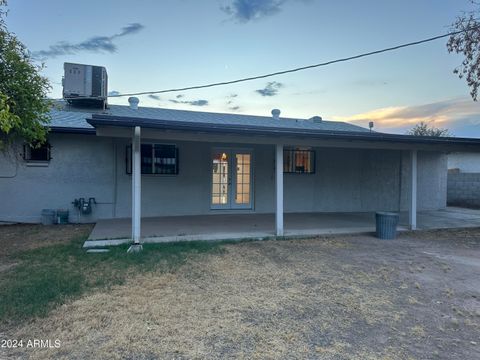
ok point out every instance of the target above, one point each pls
(262, 226)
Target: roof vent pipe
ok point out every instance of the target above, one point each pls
(316, 119)
(133, 101)
(276, 114)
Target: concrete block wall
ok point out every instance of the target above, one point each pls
(463, 189)
(346, 180)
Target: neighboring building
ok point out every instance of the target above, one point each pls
(464, 162)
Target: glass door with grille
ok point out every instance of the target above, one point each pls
(231, 179)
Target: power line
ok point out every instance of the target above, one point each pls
(354, 57)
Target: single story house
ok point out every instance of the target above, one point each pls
(133, 162)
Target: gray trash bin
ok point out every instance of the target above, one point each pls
(48, 216)
(62, 216)
(386, 225)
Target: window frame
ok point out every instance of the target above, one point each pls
(129, 165)
(27, 154)
(291, 154)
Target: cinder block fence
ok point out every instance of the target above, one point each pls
(463, 189)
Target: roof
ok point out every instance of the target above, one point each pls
(66, 117)
(84, 120)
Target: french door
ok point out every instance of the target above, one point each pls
(231, 179)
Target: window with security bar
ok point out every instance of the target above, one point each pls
(156, 159)
(37, 153)
(299, 161)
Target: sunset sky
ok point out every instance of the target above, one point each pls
(155, 45)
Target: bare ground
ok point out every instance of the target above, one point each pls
(349, 297)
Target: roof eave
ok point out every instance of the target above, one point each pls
(108, 120)
(72, 130)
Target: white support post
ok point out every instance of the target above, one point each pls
(136, 186)
(412, 208)
(279, 189)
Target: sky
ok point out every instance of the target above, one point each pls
(155, 45)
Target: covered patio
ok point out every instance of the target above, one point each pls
(262, 226)
(360, 172)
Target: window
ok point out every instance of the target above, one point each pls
(157, 159)
(299, 161)
(37, 154)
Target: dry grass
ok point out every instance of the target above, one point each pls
(241, 304)
(21, 237)
(320, 298)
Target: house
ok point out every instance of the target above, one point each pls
(194, 163)
(122, 162)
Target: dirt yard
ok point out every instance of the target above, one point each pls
(350, 297)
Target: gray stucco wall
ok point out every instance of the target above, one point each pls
(85, 166)
(81, 166)
(465, 162)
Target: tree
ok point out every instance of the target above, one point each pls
(467, 43)
(422, 129)
(24, 112)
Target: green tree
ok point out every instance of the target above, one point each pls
(24, 112)
(422, 129)
(467, 43)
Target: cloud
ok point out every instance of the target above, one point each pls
(231, 98)
(247, 10)
(154, 97)
(191, 102)
(113, 93)
(271, 89)
(460, 116)
(96, 44)
(244, 11)
(198, 102)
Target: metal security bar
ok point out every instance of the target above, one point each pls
(298, 161)
(156, 159)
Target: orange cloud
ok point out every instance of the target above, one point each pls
(445, 114)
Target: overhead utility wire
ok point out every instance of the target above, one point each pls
(296, 69)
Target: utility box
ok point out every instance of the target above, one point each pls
(85, 84)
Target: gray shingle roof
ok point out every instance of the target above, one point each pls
(66, 116)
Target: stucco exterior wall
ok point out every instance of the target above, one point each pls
(89, 166)
(81, 166)
(465, 162)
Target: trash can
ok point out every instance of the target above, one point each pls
(386, 225)
(48, 217)
(62, 216)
